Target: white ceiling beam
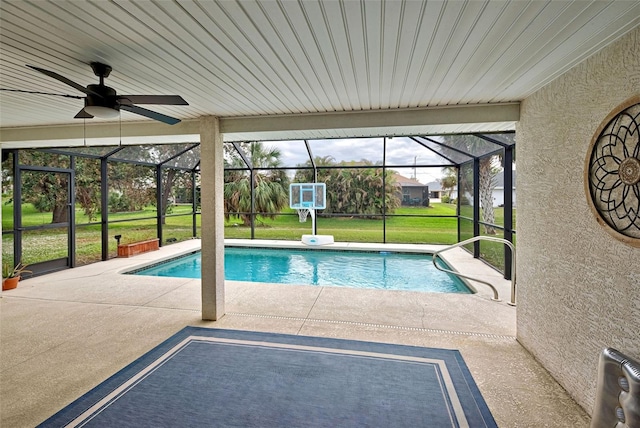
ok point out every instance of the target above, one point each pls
(447, 115)
(132, 132)
(97, 131)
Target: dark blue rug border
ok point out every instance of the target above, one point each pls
(460, 373)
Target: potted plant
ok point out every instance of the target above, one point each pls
(11, 275)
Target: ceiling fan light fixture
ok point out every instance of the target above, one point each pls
(102, 112)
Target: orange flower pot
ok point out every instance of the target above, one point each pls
(10, 283)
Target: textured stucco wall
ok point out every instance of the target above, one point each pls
(579, 288)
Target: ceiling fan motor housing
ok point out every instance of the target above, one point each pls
(106, 98)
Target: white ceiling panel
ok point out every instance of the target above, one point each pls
(278, 57)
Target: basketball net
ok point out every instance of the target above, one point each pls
(302, 214)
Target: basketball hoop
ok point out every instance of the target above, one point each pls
(306, 198)
(302, 214)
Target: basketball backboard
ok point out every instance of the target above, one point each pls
(311, 196)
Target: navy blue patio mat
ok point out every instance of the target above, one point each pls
(204, 377)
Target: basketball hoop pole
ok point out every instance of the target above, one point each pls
(312, 213)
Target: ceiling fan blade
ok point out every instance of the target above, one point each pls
(176, 100)
(41, 93)
(83, 115)
(64, 80)
(150, 114)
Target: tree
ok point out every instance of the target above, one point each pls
(270, 186)
(172, 178)
(359, 190)
(47, 191)
(450, 180)
(176, 184)
(489, 167)
(142, 178)
(87, 173)
(130, 186)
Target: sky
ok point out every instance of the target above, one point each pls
(400, 151)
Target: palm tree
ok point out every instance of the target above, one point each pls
(450, 179)
(270, 185)
(489, 167)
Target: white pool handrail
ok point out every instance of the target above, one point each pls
(512, 302)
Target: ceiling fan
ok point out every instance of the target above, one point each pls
(103, 101)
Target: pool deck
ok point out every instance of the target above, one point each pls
(63, 333)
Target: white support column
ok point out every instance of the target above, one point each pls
(212, 206)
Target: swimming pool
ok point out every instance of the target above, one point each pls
(379, 270)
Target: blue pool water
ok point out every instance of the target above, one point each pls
(380, 270)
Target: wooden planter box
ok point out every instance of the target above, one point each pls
(128, 250)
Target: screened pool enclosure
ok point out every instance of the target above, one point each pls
(65, 207)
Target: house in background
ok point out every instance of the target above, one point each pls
(497, 193)
(498, 190)
(435, 190)
(412, 192)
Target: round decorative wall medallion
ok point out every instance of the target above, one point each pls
(612, 173)
(629, 171)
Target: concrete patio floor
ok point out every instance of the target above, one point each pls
(64, 333)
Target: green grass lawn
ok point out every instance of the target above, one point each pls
(437, 229)
(431, 227)
(49, 244)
